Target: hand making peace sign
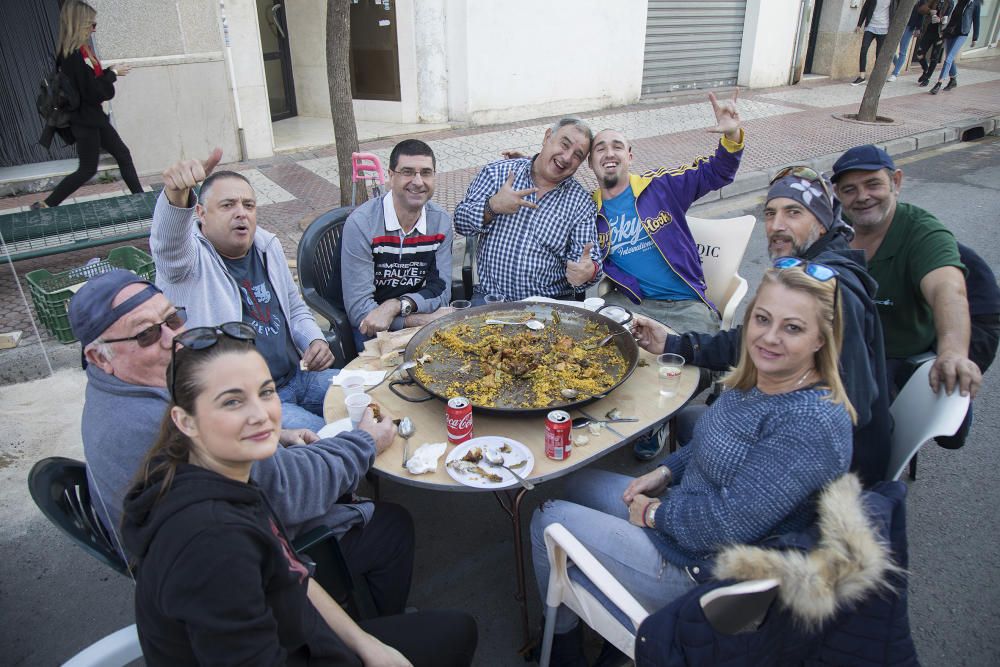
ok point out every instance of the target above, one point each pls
(508, 200)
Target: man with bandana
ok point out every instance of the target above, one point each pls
(803, 220)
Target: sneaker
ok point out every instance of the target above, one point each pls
(857, 82)
(38, 205)
(936, 88)
(648, 449)
(952, 83)
(923, 83)
(892, 77)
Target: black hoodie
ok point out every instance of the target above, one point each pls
(217, 581)
(862, 355)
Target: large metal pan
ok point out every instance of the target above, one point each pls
(572, 321)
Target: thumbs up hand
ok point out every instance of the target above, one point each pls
(582, 270)
(180, 177)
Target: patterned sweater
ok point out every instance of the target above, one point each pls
(751, 471)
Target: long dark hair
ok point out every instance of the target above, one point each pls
(172, 446)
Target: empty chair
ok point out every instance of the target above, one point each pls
(721, 246)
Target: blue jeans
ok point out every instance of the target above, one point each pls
(597, 516)
(904, 44)
(302, 399)
(951, 48)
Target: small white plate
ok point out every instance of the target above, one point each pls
(335, 428)
(493, 442)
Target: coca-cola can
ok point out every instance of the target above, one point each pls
(458, 416)
(558, 442)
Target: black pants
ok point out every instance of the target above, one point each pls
(431, 638)
(89, 141)
(382, 553)
(866, 41)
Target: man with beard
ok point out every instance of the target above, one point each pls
(224, 268)
(646, 246)
(804, 227)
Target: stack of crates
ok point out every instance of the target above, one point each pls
(51, 292)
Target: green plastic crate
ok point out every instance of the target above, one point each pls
(51, 292)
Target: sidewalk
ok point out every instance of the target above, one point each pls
(793, 124)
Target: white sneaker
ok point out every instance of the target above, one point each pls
(892, 77)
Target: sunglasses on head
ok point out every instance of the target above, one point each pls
(806, 173)
(820, 272)
(151, 334)
(202, 338)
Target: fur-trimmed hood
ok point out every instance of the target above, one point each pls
(848, 562)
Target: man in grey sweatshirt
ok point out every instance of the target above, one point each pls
(126, 328)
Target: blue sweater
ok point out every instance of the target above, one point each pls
(751, 470)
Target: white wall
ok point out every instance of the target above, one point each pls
(306, 21)
(251, 88)
(768, 42)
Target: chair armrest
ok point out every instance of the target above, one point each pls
(738, 289)
(468, 279)
(561, 547)
(118, 648)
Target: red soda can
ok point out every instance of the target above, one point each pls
(558, 443)
(458, 416)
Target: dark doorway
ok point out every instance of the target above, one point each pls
(813, 33)
(374, 51)
(277, 59)
(28, 33)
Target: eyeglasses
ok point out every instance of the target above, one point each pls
(202, 338)
(409, 172)
(807, 173)
(151, 334)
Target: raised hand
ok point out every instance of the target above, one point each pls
(727, 117)
(508, 200)
(582, 270)
(180, 177)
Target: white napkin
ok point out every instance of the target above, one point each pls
(425, 459)
(371, 377)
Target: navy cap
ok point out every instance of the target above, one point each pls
(90, 311)
(863, 158)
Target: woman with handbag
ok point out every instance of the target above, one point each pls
(95, 83)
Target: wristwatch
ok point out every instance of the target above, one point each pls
(406, 306)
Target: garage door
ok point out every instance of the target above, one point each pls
(692, 44)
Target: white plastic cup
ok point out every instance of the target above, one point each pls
(352, 383)
(593, 303)
(670, 367)
(356, 406)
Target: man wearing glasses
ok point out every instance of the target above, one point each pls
(224, 268)
(126, 328)
(804, 226)
(396, 257)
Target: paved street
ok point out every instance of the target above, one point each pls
(54, 600)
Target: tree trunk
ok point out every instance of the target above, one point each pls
(338, 74)
(869, 103)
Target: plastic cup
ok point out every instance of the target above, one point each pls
(493, 298)
(461, 304)
(593, 303)
(353, 384)
(356, 406)
(670, 367)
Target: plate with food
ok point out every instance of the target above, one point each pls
(467, 463)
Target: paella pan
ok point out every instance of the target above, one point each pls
(511, 369)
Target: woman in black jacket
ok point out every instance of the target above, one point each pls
(91, 127)
(217, 581)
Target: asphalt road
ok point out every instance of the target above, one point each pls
(54, 600)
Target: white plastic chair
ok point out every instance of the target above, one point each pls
(729, 609)
(115, 650)
(920, 415)
(721, 246)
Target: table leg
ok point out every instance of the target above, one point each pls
(511, 504)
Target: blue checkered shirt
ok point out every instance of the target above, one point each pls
(524, 254)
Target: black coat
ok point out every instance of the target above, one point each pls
(93, 89)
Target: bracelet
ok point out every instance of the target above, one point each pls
(489, 209)
(649, 515)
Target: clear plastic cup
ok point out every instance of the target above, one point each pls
(670, 367)
(356, 406)
(460, 304)
(493, 298)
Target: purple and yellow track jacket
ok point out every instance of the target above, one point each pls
(662, 198)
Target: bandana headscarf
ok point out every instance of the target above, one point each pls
(811, 195)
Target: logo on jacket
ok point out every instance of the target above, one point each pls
(603, 239)
(661, 220)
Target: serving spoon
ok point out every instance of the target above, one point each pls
(534, 325)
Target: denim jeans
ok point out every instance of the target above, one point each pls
(302, 399)
(904, 44)
(597, 516)
(951, 48)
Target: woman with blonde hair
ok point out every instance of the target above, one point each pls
(758, 458)
(91, 127)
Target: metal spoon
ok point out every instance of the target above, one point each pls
(581, 422)
(534, 325)
(406, 429)
(607, 339)
(495, 459)
(398, 370)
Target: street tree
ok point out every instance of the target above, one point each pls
(869, 103)
(338, 75)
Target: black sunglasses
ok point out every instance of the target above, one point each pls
(151, 334)
(202, 338)
(807, 173)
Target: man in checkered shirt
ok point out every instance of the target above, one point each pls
(535, 222)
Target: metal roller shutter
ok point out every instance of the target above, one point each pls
(692, 44)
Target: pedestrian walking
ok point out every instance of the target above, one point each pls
(964, 19)
(930, 48)
(876, 14)
(91, 127)
(912, 28)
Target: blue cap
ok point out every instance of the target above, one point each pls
(90, 311)
(862, 158)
